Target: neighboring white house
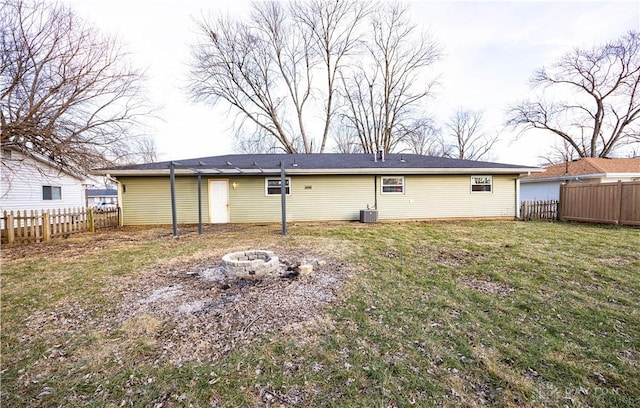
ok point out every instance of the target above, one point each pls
(35, 184)
(546, 185)
(104, 196)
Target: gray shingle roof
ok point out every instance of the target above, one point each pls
(325, 162)
(96, 192)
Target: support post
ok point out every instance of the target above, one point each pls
(620, 202)
(562, 201)
(46, 226)
(174, 213)
(9, 225)
(91, 220)
(517, 203)
(283, 197)
(199, 203)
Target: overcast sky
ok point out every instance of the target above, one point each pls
(491, 48)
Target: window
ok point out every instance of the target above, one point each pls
(481, 183)
(51, 193)
(272, 186)
(392, 185)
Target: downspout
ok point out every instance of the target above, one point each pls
(199, 203)
(375, 192)
(120, 200)
(517, 182)
(283, 197)
(174, 213)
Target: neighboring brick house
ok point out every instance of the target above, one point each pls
(546, 185)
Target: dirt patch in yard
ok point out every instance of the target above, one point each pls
(450, 257)
(486, 286)
(196, 314)
(181, 309)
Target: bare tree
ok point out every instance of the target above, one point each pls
(559, 153)
(592, 98)
(143, 150)
(383, 93)
(465, 137)
(424, 138)
(266, 68)
(66, 93)
(333, 27)
(346, 142)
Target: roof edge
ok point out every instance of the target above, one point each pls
(578, 177)
(308, 172)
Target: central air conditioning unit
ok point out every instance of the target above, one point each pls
(368, 216)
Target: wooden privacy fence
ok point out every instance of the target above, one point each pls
(539, 210)
(22, 227)
(611, 203)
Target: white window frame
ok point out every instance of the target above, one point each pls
(383, 185)
(52, 195)
(482, 180)
(266, 186)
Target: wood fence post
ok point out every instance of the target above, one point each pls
(32, 227)
(46, 226)
(561, 202)
(38, 222)
(90, 218)
(619, 206)
(65, 221)
(53, 222)
(21, 233)
(11, 231)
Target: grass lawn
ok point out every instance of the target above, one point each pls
(426, 314)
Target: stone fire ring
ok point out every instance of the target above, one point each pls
(250, 264)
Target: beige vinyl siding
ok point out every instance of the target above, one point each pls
(247, 203)
(448, 197)
(312, 198)
(147, 200)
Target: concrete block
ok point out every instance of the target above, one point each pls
(305, 269)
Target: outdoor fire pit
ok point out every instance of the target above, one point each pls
(250, 264)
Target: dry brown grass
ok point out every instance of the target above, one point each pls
(500, 313)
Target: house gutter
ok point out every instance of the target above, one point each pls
(174, 211)
(517, 203)
(283, 197)
(566, 177)
(118, 197)
(562, 178)
(293, 171)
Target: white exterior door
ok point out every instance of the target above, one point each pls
(218, 201)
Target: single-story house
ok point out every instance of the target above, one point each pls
(246, 188)
(35, 183)
(546, 185)
(106, 196)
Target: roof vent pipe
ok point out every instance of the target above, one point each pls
(381, 152)
(375, 157)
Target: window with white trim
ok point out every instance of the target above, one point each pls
(481, 184)
(272, 186)
(392, 185)
(51, 193)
